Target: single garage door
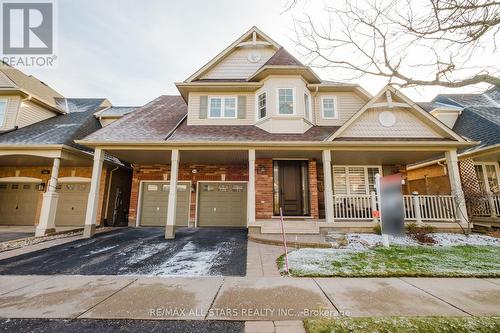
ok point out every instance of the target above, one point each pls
(72, 204)
(18, 202)
(154, 204)
(222, 205)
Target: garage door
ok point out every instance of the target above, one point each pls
(222, 205)
(154, 204)
(18, 202)
(72, 204)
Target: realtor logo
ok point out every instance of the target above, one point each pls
(28, 29)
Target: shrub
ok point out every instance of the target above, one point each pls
(420, 233)
(377, 229)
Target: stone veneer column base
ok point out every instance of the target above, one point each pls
(169, 232)
(89, 230)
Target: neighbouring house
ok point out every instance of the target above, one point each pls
(44, 175)
(255, 131)
(476, 117)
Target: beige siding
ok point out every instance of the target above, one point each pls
(30, 113)
(10, 112)
(237, 66)
(194, 110)
(348, 103)
(407, 126)
(5, 82)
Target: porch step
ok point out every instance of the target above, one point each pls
(291, 227)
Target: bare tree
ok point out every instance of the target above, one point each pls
(408, 42)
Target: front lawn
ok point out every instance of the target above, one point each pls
(403, 325)
(429, 261)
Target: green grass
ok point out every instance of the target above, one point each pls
(404, 325)
(452, 261)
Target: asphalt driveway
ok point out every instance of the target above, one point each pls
(140, 251)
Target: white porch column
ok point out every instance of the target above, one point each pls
(456, 185)
(93, 202)
(47, 224)
(251, 187)
(327, 173)
(172, 195)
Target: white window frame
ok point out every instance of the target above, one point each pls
(309, 105)
(485, 176)
(294, 102)
(348, 187)
(4, 119)
(222, 107)
(335, 106)
(257, 108)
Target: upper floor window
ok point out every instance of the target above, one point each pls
(222, 107)
(262, 105)
(3, 111)
(329, 107)
(285, 101)
(307, 106)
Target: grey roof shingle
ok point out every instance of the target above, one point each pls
(282, 58)
(60, 129)
(151, 122)
(429, 106)
(116, 111)
(207, 133)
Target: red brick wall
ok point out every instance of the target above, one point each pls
(263, 183)
(313, 189)
(162, 172)
(264, 188)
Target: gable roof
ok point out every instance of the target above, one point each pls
(30, 85)
(78, 122)
(282, 58)
(151, 122)
(406, 100)
(230, 48)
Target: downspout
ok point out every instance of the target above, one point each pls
(109, 192)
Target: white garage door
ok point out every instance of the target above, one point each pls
(18, 203)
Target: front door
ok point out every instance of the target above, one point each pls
(292, 180)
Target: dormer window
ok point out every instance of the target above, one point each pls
(262, 105)
(329, 107)
(286, 101)
(3, 111)
(222, 107)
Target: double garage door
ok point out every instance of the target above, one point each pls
(19, 201)
(219, 204)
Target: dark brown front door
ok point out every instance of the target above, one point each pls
(290, 187)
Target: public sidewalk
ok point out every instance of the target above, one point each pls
(243, 298)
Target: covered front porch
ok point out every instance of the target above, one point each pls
(316, 188)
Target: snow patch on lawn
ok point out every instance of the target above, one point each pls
(188, 262)
(360, 242)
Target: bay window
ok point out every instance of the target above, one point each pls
(354, 180)
(222, 107)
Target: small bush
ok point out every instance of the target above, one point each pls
(377, 229)
(420, 233)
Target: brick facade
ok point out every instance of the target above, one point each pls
(263, 183)
(36, 172)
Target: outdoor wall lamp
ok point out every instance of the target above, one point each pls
(40, 187)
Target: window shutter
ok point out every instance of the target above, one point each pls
(242, 107)
(203, 107)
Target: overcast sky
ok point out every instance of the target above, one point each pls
(132, 51)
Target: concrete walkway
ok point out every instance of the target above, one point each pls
(243, 298)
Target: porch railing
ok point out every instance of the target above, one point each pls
(485, 205)
(418, 208)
